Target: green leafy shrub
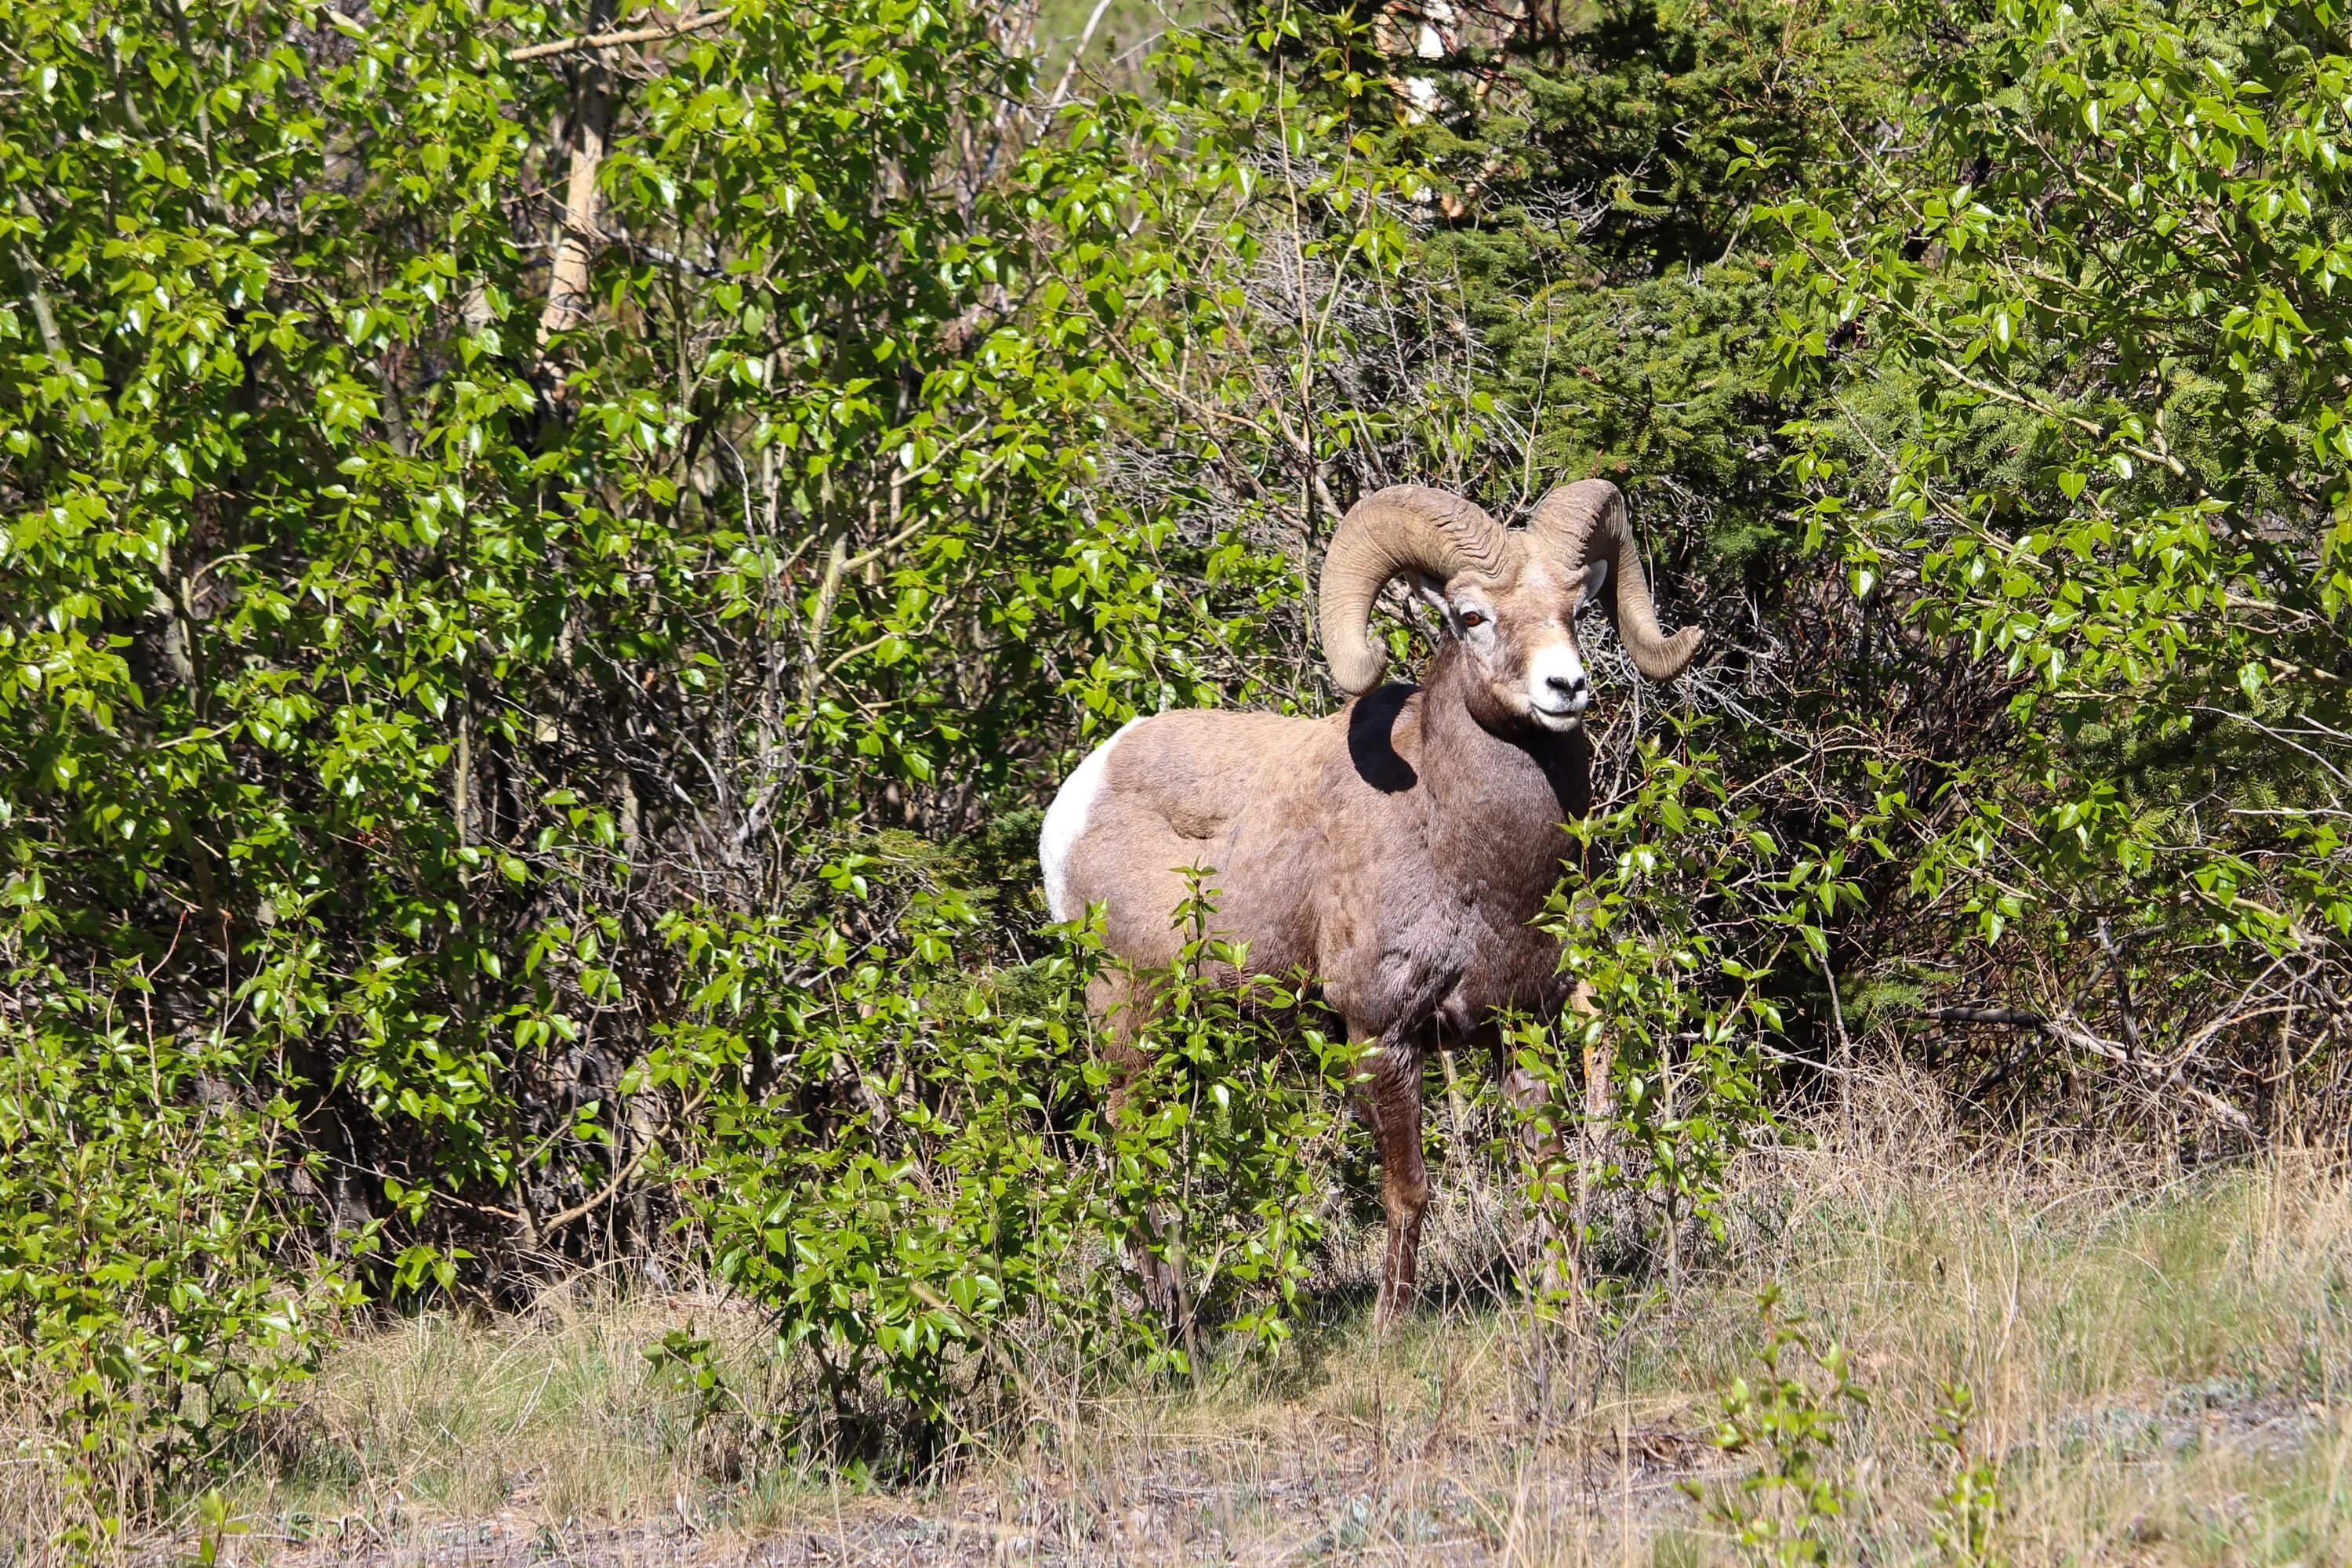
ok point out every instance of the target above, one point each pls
(1971, 1508)
(399, 651)
(1685, 929)
(157, 1286)
(2115, 486)
(1787, 1418)
(927, 1194)
(1235, 1125)
(912, 1202)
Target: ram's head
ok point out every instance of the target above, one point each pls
(1508, 597)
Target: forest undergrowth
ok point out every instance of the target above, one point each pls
(2054, 1353)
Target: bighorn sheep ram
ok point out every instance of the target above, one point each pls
(1398, 850)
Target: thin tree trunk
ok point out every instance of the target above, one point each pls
(568, 293)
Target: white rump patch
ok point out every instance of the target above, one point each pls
(1065, 824)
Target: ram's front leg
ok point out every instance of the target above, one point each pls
(1391, 1092)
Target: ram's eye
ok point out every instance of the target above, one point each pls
(1473, 619)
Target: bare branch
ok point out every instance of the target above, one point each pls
(677, 29)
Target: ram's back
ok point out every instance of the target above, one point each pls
(1273, 809)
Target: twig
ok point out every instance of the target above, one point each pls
(43, 316)
(619, 1179)
(1062, 87)
(980, 1332)
(2122, 989)
(661, 257)
(2271, 732)
(2093, 428)
(2016, 1017)
(1837, 1016)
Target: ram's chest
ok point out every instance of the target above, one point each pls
(1498, 871)
(1451, 932)
(1500, 955)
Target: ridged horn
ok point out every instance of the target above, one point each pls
(1574, 524)
(1405, 528)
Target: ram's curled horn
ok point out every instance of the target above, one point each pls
(1405, 528)
(1587, 520)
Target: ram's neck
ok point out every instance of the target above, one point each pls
(1498, 800)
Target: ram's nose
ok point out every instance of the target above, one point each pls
(1572, 691)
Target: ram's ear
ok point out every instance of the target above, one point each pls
(1432, 589)
(1596, 580)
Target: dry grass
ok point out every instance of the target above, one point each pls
(556, 1412)
(33, 1506)
(2163, 1361)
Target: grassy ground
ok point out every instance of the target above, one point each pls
(2161, 1363)
(2159, 1360)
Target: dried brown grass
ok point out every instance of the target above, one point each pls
(34, 1504)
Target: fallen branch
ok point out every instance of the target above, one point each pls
(2013, 1016)
(620, 1179)
(2071, 1032)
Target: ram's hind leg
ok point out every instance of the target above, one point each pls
(1118, 1002)
(1391, 1092)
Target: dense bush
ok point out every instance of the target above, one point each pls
(2117, 483)
(439, 627)
(404, 647)
(157, 1279)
